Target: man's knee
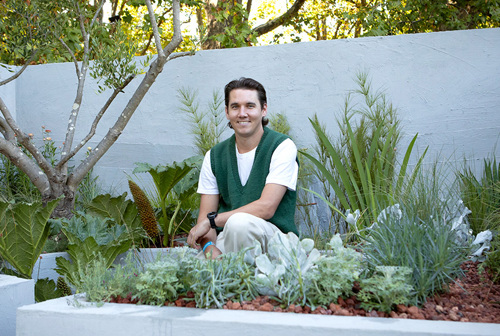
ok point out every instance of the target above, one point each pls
(238, 223)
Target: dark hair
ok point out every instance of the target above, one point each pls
(247, 84)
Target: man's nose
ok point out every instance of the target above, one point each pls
(242, 112)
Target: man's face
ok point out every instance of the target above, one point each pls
(245, 113)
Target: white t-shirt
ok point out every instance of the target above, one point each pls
(283, 169)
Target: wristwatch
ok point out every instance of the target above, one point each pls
(211, 217)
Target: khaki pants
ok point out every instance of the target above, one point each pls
(243, 230)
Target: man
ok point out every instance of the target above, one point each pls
(247, 182)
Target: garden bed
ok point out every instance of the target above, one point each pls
(474, 298)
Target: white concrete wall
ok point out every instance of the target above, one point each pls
(445, 85)
(8, 91)
(14, 293)
(58, 318)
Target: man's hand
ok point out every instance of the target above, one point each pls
(197, 232)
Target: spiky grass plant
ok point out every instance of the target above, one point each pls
(429, 246)
(360, 169)
(482, 196)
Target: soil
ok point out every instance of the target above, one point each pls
(474, 298)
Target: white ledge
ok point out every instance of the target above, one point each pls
(57, 317)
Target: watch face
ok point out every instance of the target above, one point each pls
(212, 215)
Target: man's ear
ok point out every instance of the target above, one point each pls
(264, 110)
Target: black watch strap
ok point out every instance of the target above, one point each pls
(211, 217)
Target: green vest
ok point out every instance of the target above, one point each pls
(233, 195)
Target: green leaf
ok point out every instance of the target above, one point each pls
(46, 289)
(24, 229)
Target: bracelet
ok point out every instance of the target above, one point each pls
(207, 245)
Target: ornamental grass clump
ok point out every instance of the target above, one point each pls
(432, 248)
(482, 196)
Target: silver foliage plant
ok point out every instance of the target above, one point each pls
(335, 273)
(281, 273)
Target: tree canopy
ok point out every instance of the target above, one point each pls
(211, 24)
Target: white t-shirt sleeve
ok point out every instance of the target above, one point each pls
(207, 183)
(284, 169)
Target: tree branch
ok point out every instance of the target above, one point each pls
(17, 74)
(160, 22)
(154, 25)
(96, 15)
(6, 130)
(70, 133)
(72, 54)
(114, 132)
(180, 54)
(91, 133)
(25, 164)
(177, 36)
(275, 23)
(249, 6)
(25, 141)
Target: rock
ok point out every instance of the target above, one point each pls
(343, 312)
(419, 316)
(413, 310)
(298, 309)
(393, 314)
(401, 308)
(236, 305)
(248, 307)
(403, 316)
(334, 307)
(453, 316)
(229, 304)
(372, 313)
(439, 309)
(341, 302)
(266, 307)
